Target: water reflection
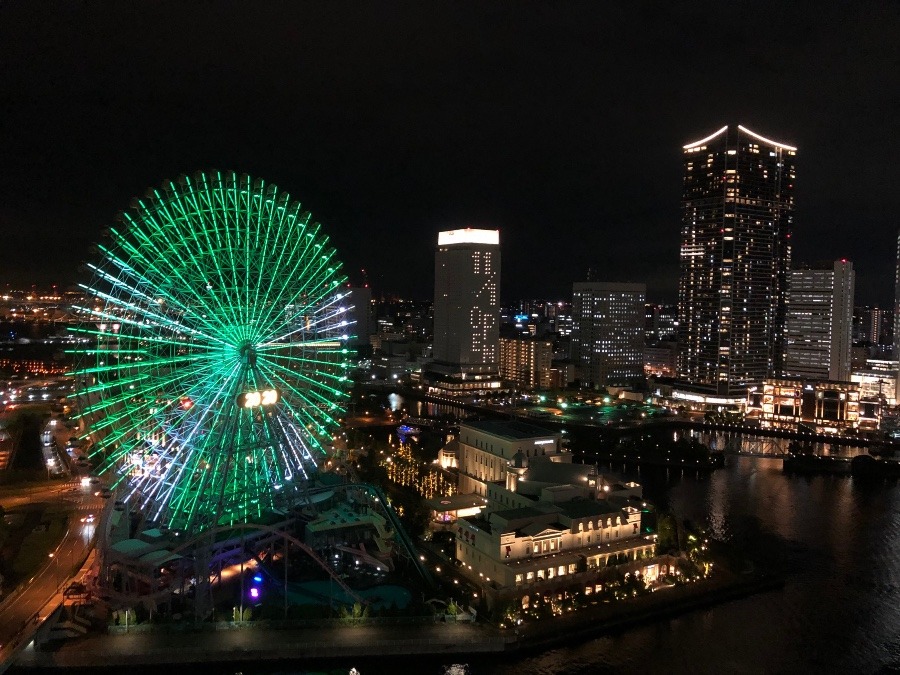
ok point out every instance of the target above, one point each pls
(838, 612)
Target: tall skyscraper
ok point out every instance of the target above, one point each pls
(896, 355)
(819, 322)
(466, 304)
(608, 332)
(737, 213)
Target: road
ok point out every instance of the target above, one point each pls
(20, 613)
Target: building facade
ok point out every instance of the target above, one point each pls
(819, 322)
(485, 448)
(467, 311)
(545, 524)
(737, 213)
(526, 361)
(607, 340)
(824, 407)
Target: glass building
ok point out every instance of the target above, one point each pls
(737, 213)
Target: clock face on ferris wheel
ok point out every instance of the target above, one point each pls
(213, 361)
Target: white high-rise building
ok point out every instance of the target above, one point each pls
(819, 323)
(466, 305)
(608, 332)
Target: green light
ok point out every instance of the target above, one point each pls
(226, 368)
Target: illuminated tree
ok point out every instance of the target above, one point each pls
(212, 370)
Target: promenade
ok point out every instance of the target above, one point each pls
(228, 643)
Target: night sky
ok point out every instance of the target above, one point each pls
(561, 124)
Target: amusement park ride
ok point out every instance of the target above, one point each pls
(214, 380)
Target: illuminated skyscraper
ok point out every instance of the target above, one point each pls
(466, 306)
(896, 355)
(819, 322)
(736, 218)
(608, 333)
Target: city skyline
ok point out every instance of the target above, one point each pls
(390, 126)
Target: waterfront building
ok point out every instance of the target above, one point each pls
(526, 361)
(608, 333)
(466, 313)
(821, 406)
(877, 381)
(819, 322)
(485, 447)
(737, 213)
(545, 523)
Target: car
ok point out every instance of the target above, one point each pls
(89, 518)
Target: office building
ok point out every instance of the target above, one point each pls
(736, 219)
(819, 322)
(467, 312)
(526, 361)
(608, 333)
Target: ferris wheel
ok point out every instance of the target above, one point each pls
(213, 366)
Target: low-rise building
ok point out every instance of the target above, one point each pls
(824, 406)
(546, 523)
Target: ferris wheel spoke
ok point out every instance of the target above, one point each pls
(299, 268)
(272, 243)
(203, 229)
(311, 266)
(176, 248)
(312, 384)
(161, 276)
(215, 286)
(314, 403)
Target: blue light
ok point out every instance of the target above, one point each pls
(257, 579)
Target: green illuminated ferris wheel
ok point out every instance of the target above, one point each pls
(216, 368)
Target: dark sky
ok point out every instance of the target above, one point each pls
(560, 123)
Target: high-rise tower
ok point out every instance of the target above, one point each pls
(819, 321)
(736, 218)
(466, 305)
(608, 332)
(896, 355)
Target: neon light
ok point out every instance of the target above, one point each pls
(216, 299)
(469, 236)
(764, 139)
(704, 140)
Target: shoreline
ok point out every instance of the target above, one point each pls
(223, 646)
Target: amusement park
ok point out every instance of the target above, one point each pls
(210, 383)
